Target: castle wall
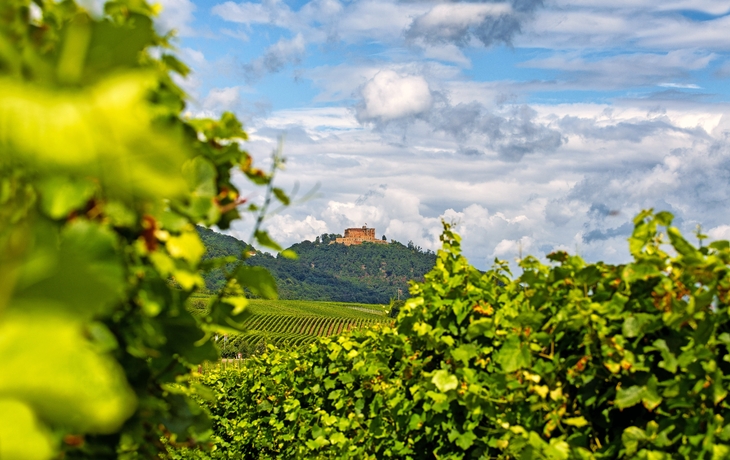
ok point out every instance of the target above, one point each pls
(364, 233)
(359, 236)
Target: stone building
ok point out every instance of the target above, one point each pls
(359, 236)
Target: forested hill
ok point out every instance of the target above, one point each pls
(368, 273)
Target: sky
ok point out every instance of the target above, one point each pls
(531, 125)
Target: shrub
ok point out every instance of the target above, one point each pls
(568, 361)
(102, 181)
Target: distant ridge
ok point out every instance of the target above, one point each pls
(364, 273)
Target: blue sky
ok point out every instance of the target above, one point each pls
(534, 125)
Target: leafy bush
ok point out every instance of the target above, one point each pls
(101, 183)
(568, 361)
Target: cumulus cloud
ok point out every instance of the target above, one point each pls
(388, 96)
(290, 229)
(275, 58)
(511, 132)
(460, 22)
(721, 232)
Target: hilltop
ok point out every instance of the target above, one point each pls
(366, 273)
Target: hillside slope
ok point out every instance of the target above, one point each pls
(368, 273)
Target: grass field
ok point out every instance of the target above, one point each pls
(293, 323)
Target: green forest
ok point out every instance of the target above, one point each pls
(367, 273)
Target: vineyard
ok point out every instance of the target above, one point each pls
(290, 324)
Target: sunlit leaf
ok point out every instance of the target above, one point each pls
(88, 391)
(21, 435)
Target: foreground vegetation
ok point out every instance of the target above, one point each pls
(102, 181)
(568, 361)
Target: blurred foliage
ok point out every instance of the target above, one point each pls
(367, 273)
(570, 360)
(102, 182)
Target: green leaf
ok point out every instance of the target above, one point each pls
(720, 452)
(117, 47)
(639, 271)
(465, 352)
(258, 280)
(669, 360)
(557, 450)
(88, 391)
(265, 240)
(21, 436)
(576, 421)
(465, 440)
(631, 438)
(627, 397)
(650, 397)
(719, 392)
(200, 175)
(480, 327)
(93, 133)
(664, 218)
(444, 381)
(281, 196)
(631, 327)
(59, 195)
(680, 244)
(720, 245)
(317, 443)
(289, 254)
(84, 275)
(186, 246)
(514, 355)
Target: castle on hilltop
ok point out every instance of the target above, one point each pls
(359, 236)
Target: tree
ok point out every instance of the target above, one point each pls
(101, 183)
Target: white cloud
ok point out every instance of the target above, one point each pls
(448, 53)
(288, 228)
(630, 69)
(377, 19)
(445, 16)
(274, 12)
(629, 24)
(277, 56)
(221, 99)
(389, 96)
(325, 119)
(721, 232)
(513, 248)
(680, 85)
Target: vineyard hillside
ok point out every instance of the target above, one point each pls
(290, 324)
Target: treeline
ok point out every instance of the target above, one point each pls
(367, 273)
